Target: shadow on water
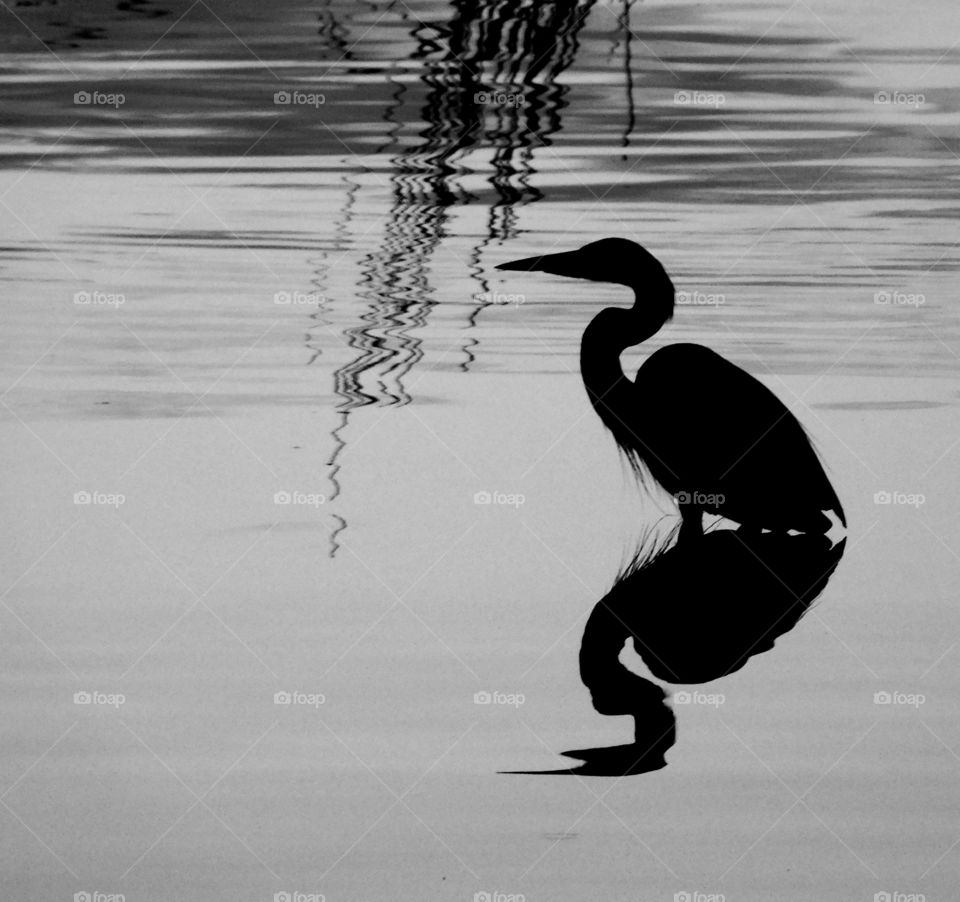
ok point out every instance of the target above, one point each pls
(695, 611)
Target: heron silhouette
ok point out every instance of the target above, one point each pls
(708, 432)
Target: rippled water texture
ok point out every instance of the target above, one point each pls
(247, 258)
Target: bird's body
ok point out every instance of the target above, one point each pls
(739, 452)
(708, 432)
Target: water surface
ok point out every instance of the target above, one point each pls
(212, 297)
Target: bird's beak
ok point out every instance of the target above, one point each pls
(558, 264)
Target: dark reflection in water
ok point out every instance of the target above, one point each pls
(494, 85)
(695, 611)
(655, 732)
(333, 34)
(490, 73)
(701, 609)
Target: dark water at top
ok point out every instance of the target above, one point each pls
(787, 162)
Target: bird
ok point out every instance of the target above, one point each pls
(709, 433)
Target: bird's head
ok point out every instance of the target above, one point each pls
(614, 260)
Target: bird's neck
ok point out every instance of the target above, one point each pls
(608, 334)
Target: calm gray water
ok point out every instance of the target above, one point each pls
(248, 249)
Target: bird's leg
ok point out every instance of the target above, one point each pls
(691, 526)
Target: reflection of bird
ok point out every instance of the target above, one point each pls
(698, 611)
(708, 432)
(655, 732)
